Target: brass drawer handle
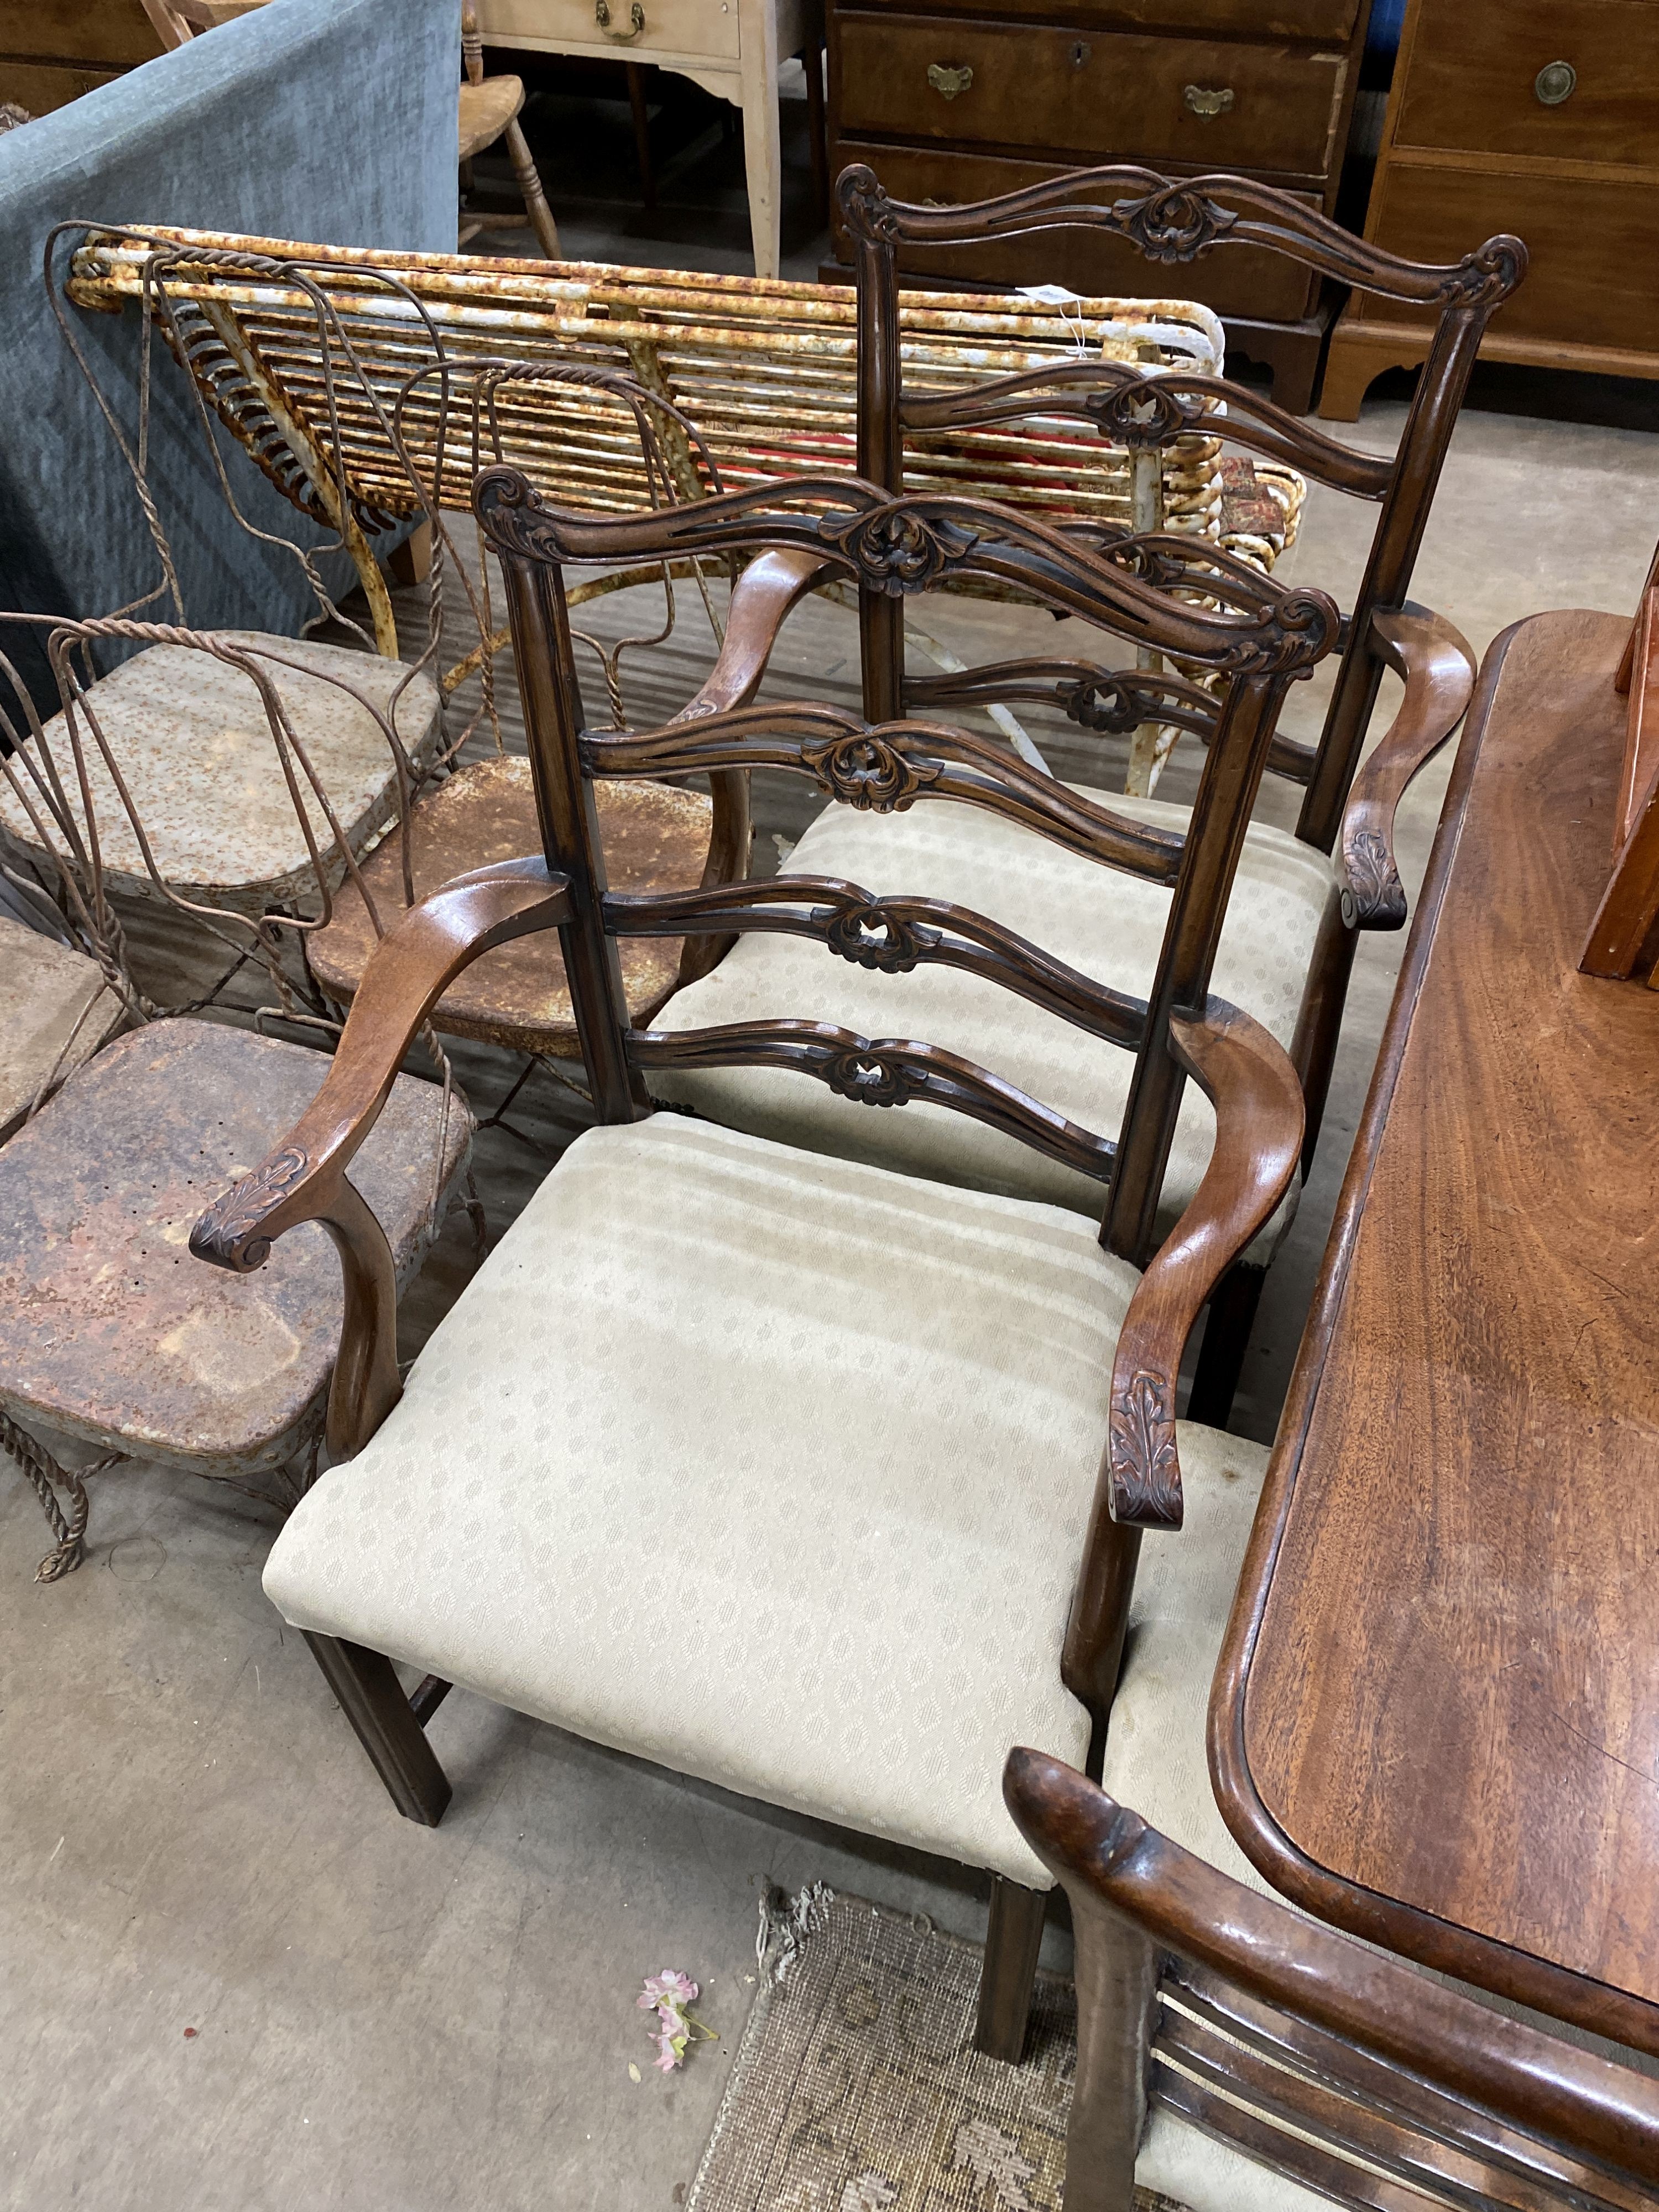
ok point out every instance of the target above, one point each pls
(949, 81)
(1555, 82)
(636, 18)
(1205, 101)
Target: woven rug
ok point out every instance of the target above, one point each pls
(857, 2087)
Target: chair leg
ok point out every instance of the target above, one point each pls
(642, 134)
(529, 182)
(373, 1700)
(1116, 1999)
(1226, 1339)
(813, 58)
(1012, 1943)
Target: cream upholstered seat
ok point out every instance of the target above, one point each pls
(1106, 923)
(769, 1466)
(192, 739)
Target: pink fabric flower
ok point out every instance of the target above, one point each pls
(669, 1995)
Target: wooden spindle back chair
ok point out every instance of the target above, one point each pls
(1209, 2012)
(956, 1270)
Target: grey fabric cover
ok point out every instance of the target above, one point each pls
(325, 120)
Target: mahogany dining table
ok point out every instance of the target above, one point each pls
(1435, 1718)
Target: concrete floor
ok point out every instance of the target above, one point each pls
(231, 1979)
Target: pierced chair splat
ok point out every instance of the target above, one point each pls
(726, 1301)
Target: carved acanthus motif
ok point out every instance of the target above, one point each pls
(1490, 274)
(514, 516)
(873, 1079)
(865, 207)
(1174, 223)
(217, 1236)
(899, 553)
(1373, 898)
(866, 771)
(872, 938)
(1142, 415)
(1145, 1471)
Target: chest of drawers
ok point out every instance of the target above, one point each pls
(953, 101)
(1539, 117)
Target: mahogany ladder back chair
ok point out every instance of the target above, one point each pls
(1220, 2033)
(1289, 946)
(735, 1316)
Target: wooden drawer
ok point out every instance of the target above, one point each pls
(109, 34)
(1096, 94)
(40, 87)
(678, 26)
(1330, 21)
(1591, 245)
(1472, 80)
(1242, 281)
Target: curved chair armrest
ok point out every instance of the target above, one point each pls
(768, 588)
(1439, 669)
(1248, 1078)
(1574, 2100)
(304, 1177)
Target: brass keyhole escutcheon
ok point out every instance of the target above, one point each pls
(949, 80)
(1208, 100)
(636, 20)
(1555, 82)
(1080, 53)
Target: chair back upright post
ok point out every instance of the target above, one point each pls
(1177, 220)
(551, 697)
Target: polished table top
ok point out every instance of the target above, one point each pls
(1437, 1717)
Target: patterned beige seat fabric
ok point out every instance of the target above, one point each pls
(55, 1011)
(190, 736)
(1155, 1762)
(770, 1467)
(1109, 925)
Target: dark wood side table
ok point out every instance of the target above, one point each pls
(1436, 1722)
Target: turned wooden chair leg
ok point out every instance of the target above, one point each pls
(388, 1727)
(1226, 1339)
(1012, 1943)
(529, 182)
(1116, 1998)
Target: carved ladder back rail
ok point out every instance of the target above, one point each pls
(1174, 220)
(1354, 2076)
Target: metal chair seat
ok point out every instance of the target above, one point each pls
(55, 1012)
(655, 838)
(109, 1331)
(188, 738)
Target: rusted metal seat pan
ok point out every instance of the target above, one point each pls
(109, 1330)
